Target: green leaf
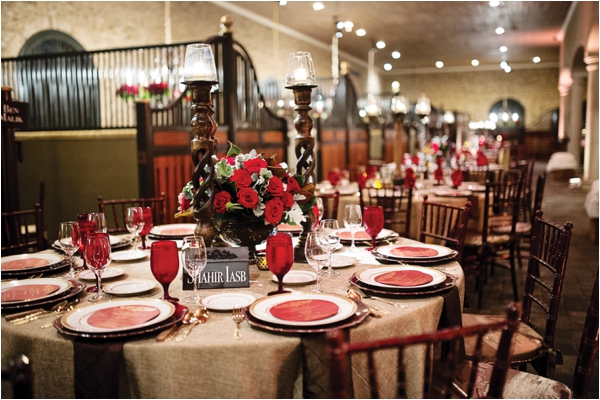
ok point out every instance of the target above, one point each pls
(233, 150)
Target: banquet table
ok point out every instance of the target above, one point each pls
(210, 364)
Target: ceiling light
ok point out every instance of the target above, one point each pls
(361, 32)
(396, 54)
(348, 25)
(494, 3)
(499, 30)
(339, 25)
(536, 59)
(507, 69)
(395, 86)
(380, 44)
(339, 34)
(503, 49)
(474, 63)
(503, 64)
(387, 66)
(318, 6)
(439, 64)
(282, 2)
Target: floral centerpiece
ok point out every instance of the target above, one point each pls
(250, 187)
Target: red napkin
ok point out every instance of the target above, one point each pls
(481, 159)
(438, 174)
(333, 177)
(122, 316)
(26, 263)
(358, 235)
(316, 212)
(177, 231)
(409, 178)
(456, 177)
(411, 251)
(304, 310)
(28, 292)
(404, 278)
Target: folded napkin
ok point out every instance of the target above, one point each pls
(481, 159)
(438, 174)
(457, 178)
(409, 178)
(97, 367)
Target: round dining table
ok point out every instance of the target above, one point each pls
(210, 363)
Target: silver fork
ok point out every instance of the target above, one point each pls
(238, 317)
(366, 296)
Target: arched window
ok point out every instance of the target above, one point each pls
(507, 114)
(50, 41)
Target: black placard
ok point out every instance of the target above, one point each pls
(14, 114)
(227, 267)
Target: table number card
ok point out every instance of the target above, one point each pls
(227, 267)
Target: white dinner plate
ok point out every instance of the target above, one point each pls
(63, 286)
(442, 251)
(88, 275)
(472, 186)
(129, 287)
(452, 193)
(173, 230)
(77, 320)
(368, 276)
(342, 261)
(24, 262)
(226, 301)
(297, 277)
(260, 308)
(129, 255)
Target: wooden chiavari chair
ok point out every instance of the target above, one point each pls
(396, 203)
(22, 231)
(115, 210)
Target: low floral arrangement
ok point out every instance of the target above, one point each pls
(249, 185)
(128, 92)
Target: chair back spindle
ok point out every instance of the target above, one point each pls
(396, 203)
(115, 210)
(22, 231)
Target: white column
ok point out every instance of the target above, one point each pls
(564, 111)
(590, 164)
(575, 116)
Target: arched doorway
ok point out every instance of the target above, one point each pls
(509, 117)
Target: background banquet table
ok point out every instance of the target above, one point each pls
(210, 364)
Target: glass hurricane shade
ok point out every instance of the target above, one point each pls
(449, 117)
(300, 70)
(399, 104)
(199, 63)
(423, 106)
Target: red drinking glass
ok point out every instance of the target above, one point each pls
(97, 253)
(280, 257)
(148, 224)
(164, 263)
(373, 222)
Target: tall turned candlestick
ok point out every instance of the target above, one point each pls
(304, 145)
(203, 146)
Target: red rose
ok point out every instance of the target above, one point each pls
(409, 178)
(247, 198)
(274, 211)
(292, 185)
(242, 178)
(230, 160)
(220, 201)
(254, 165)
(288, 200)
(275, 187)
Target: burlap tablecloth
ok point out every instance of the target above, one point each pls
(210, 364)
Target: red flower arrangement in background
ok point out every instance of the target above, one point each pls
(128, 92)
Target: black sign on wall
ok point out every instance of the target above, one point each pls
(14, 114)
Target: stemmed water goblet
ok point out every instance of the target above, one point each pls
(193, 258)
(317, 254)
(66, 232)
(97, 254)
(134, 220)
(164, 264)
(330, 230)
(352, 221)
(373, 222)
(280, 257)
(148, 224)
(99, 219)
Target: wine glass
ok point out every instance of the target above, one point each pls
(280, 257)
(134, 220)
(193, 258)
(319, 211)
(317, 254)
(148, 224)
(99, 219)
(84, 228)
(164, 263)
(331, 235)
(373, 221)
(67, 244)
(97, 254)
(352, 221)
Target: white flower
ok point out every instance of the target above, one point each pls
(295, 214)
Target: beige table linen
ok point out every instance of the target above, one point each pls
(210, 364)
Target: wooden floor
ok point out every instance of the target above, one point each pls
(560, 205)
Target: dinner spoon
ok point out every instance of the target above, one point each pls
(186, 319)
(200, 316)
